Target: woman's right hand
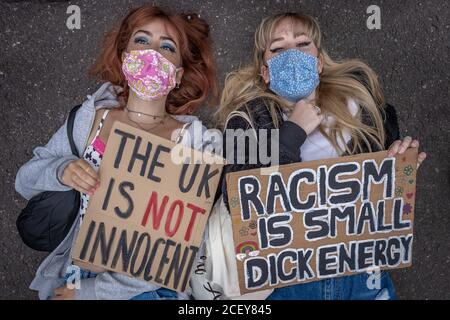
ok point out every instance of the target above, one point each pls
(80, 176)
(306, 115)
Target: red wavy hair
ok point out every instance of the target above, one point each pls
(199, 82)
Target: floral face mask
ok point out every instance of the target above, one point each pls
(149, 74)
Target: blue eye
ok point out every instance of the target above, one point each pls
(168, 47)
(304, 44)
(276, 50)
(141, 40)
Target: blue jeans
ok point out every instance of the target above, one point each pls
(353, 287)
(160, 294)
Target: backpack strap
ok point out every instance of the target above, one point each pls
(102, 122)
(243, 115)
(70, 123)
(181, 132)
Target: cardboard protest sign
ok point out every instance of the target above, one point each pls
(314, 220)
(147, 218)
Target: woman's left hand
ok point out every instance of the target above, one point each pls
(399, 147)
(64, 293)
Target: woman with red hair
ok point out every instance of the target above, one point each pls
(157, 68)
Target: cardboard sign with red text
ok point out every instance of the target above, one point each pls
(314, 220)
(147, 218)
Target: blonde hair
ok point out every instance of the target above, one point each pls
(339, 81)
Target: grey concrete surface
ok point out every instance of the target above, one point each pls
(43, 73)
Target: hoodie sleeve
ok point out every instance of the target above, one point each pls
(43, 172)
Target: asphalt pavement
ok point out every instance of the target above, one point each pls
(43, 73)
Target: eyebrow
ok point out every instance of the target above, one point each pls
(144, 31)
(282, 38)
(168, 38)
(151, 35)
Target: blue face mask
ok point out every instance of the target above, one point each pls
(293, 75)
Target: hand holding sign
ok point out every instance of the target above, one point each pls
(80, 176)
(399, 147)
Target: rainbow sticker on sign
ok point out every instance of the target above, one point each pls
(246, 247)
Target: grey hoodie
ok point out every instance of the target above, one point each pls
(43, 173)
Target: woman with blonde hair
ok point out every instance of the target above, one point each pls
(322, 108)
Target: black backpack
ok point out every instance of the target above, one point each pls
(46, 220)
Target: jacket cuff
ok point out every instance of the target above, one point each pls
(87, 290)
(292, 136)
(60, 170)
